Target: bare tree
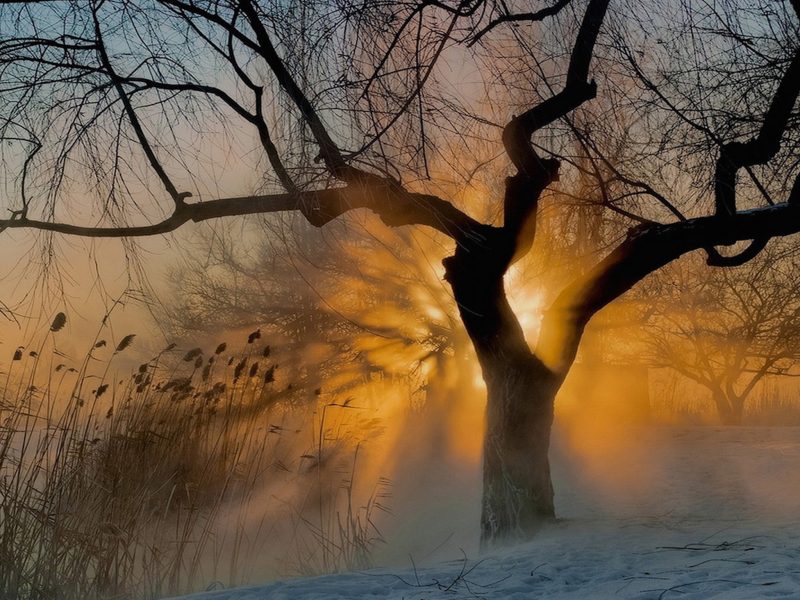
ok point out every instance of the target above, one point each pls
(374, 301)
(724, 331)
(114, 110)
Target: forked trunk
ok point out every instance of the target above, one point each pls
(517, 489)
(729, 408)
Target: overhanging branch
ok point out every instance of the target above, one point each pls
(757, 151)
(395, 206)
(645, 250)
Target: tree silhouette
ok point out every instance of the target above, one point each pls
(118, 113)
(722, 331)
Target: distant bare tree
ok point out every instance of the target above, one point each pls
(379, 308)
(118, 112)
(724, 331)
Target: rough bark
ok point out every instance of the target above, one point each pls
(517, 486)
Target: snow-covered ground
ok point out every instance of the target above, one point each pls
(663, 513)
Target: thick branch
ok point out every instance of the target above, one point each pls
(517, 134)
(534, 174)
(644, 251)
(395, 207)
(757, 151)
(762, 148)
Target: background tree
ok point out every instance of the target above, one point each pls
(374, 307)
(117, 113)
(722, 329)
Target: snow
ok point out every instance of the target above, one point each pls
(666, 513)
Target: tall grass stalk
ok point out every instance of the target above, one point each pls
(151, 484)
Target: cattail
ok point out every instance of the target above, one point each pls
(101, 390)
(170, 347)
(198, 362)
(59, 322)
(254, 336)
(254, 369)
(269, 376)
(206, 372)
(192, 354)
(239, 368)
(100, 344)
(33, 353)
(266, 351)
(18, 354)
(221, 348)
(143, 368)
(126, 341)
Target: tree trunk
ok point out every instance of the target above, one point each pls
(517, 488)
(729, 408)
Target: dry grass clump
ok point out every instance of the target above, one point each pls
(774, 410)
(154, 484)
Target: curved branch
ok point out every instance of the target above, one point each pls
(517, 133)
(199, 88)
(534, 174)
(715, 259)
(760, 149)
(645, 250)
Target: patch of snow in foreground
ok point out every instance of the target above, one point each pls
(640, 560)
(706, 513)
